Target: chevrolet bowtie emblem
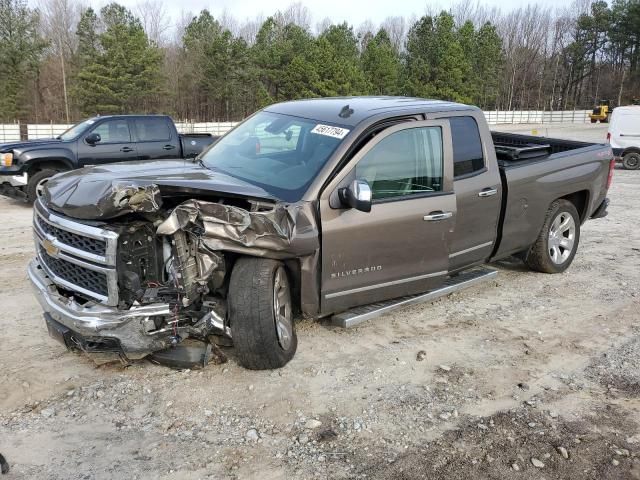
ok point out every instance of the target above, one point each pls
(50, 248)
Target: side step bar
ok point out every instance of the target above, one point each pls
(357, 315)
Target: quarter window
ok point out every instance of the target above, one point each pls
(467, 147)
(152, 129)
(404, 163)
(113, 131)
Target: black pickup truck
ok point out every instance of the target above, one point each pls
(27, 165)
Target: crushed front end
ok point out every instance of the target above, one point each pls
(117, 290)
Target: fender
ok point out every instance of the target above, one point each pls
(32, 157)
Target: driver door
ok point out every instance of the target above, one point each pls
(400, 247)
(115, 144)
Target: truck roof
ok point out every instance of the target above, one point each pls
(329, 109)
(131, 115)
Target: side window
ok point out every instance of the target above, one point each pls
(404, 163)
(152, 129)
(113, 131)
(467, 147)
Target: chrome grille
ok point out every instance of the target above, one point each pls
(90, 245)
(76, 256)
(88, 280)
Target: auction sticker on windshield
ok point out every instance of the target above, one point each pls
(329, 131)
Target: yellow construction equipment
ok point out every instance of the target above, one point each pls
(601, 112)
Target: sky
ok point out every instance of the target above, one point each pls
(354, 12)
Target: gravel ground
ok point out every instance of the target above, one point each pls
(527, 376)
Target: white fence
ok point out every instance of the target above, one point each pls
(214, 128)
(46, 130)
(496, 117)
(11, 132)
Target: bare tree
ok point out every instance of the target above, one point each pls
(229, 22)
(250, 28)
(323, 25)
(298, 14)
(396, 28)
(155, 20)
(59, 20)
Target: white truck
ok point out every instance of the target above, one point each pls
(624, 135)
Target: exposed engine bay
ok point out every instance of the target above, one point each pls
(173, 257)
(157, 262)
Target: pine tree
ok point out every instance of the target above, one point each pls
(338, 63)
(436, 61)
(381, 65)
(124, 74)
(20, 50)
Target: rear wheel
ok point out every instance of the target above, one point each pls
(558, 240)
(37, 181)
(261, 314)
(593, 120)
(631, 161)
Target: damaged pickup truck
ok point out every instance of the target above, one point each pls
(311, 208)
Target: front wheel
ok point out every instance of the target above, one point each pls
(557, 243)
(37, 181)
(261, 314)
(631, 161)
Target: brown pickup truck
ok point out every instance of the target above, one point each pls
(341, 207)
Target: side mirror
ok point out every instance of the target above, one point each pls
(357, 195)
(92, 138)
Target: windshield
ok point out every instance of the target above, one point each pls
(76, 130)
(279, 153)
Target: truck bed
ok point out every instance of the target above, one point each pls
(516, 149)
(536, 170)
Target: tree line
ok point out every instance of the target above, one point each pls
(62, 61)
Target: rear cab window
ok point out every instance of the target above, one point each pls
(152, 129)
(468, 158)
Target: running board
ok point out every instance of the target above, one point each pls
(357, 315)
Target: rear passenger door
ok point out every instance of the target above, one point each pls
(155, 138)
(115, 145)
(400, 247)
(478, 189)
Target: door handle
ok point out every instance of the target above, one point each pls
(487, 192)
(168, 147)
(126, 149)
(437, 216)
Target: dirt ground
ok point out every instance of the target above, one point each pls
(527, 376)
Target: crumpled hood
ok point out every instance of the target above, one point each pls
(26, 144)
(109, 191)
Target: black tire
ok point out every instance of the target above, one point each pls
(631, 161)
(252, 305)
(539, 257)
(605, 120)
(37, 179)
(594, 120)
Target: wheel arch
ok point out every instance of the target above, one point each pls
(57, 163)
(580, 200)
(293, 268)
(629, 150)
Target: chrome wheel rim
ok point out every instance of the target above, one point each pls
(562, 237)
(282, 308)
(40, 187)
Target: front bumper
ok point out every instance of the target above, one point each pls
(98, 329)
(14, 186)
